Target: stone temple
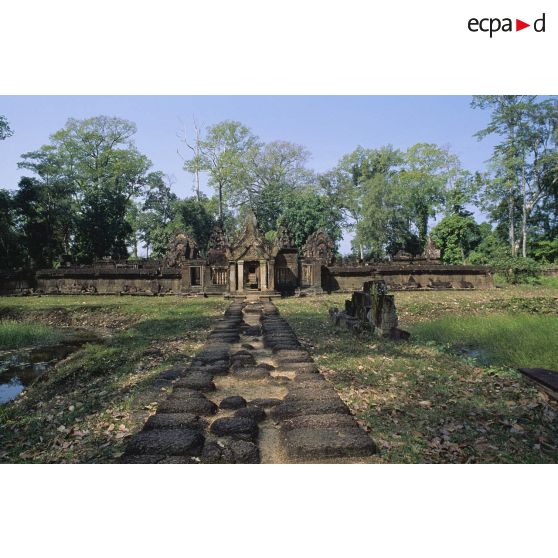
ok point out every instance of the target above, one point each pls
(248, 265)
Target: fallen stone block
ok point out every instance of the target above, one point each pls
(240, 428)
(233, 402)
(331, 420)
(166, 442)
(174, 420)
(196, 406)
(196, 380)
(252, 412)
(230, 452)
(319, 443)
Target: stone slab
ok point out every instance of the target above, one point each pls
(167, 442)
(316, 443)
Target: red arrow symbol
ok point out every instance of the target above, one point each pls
(519, 25)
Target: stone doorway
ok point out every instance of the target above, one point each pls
(252, 276)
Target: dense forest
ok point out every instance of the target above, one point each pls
(90, 193)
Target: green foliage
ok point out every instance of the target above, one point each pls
(86, 180)
(246, 173)
(11, 255)
(517, 270)
(428, 172)
(456, 235)
(308, 212)
(524, 162)
(225, 154)
(546, 250)
(491, 247)
(5, 130)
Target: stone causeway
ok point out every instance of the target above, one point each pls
(252, 394)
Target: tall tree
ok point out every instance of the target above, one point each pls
(508, 120)
(225, 154)
(354, 182)
(5, 130)
(156, 211)
(278, 171)
(98, 163)
(12, 253)
(429, 173)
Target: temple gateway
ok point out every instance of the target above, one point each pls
(249, 265)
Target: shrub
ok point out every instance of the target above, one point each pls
(517, 270)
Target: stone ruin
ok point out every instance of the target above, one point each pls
(320, 247)
(250, 264)
(371, 309)
(181, 247)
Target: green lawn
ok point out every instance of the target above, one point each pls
(14, 334)
(516, 340)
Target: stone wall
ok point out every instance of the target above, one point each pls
(408, 277)
(91, 280)
(305, 274)
(16, 284)
(286, 271)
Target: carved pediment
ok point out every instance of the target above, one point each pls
(319, 246)
(251, 244)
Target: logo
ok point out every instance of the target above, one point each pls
(493, 25)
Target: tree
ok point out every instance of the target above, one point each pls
(195, 148)
(278, 171)
(156, 211)
(540, 171)
(12, 256)
(95, 160)
(429, 172)
(509, 115)
(355, 186)
(225, 154)
(456, 235)
(5, 130)
(308, 212)
(43, 219)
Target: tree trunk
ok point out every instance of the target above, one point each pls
(220, 203)
(523, 217)
(511, 225)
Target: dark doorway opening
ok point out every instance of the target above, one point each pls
(252, 276)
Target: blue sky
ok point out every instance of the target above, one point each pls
(328, 126)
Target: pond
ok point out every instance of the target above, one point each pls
(21, 368)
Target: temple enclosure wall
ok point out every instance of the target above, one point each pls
(201, 279)
(250, 264)
(408, 277)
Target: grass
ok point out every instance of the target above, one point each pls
(512, 340)
(423, 403)
(14, 334)
(93, 400)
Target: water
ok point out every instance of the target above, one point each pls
(20, 369)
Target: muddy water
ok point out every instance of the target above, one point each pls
(21, 368)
